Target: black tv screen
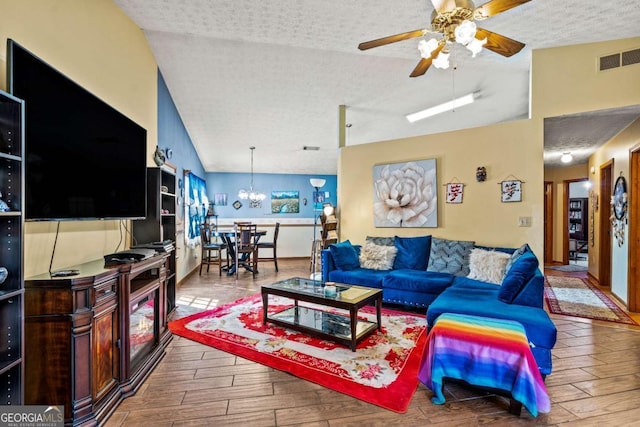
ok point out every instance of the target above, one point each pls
(83, 158)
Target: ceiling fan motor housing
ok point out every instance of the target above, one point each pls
(446, 21)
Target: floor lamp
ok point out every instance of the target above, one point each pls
(316, 183)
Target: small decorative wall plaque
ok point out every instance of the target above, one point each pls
(511, 190)
(455, 191)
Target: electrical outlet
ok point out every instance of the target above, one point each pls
(524, 221)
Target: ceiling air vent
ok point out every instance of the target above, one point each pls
(610, 61)
(310, 148)
(631, 57)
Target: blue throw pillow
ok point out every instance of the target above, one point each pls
(345, 256)
(413, 252)
(450, 256)
(522, 270)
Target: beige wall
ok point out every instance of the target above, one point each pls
(566, 81)
(558, 175)
(506, 150)
(617, 150)
(95, 44)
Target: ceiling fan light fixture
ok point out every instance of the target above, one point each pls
(566, 157)
(465, 33)
(441, 61)
(444, 107)
(426, 48)
(475, 46)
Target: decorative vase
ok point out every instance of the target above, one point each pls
(4, 207)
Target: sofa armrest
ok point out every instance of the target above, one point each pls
(327, 264)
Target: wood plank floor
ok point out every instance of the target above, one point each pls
(595, 379)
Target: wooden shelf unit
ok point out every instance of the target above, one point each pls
(578, 217)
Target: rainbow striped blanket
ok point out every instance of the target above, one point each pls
(483, 352)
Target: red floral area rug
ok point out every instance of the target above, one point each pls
(574, 296)
(382, 371)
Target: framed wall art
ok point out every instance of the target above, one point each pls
(285, 202)
(511, 191)
(455, 192)
(405, 194)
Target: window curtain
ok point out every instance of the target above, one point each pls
(196, 203)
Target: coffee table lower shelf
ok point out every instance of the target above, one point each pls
(322, 324)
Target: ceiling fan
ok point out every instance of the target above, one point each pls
(454, 20)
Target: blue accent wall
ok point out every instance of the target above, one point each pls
(231, 183)
(173, 134)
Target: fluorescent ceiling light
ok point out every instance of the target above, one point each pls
(444, 107)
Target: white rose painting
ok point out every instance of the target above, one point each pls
(405, 194)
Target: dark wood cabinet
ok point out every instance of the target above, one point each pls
(158, 229)
(83, 331)
(578, 218)
(11, 249)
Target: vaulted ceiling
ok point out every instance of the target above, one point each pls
(273, 74)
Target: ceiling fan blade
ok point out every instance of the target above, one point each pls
(425, 63)
(443, 5)
(499, 44)
(495, 7)
(391, 39)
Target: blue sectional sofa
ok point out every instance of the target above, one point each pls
(448, 276)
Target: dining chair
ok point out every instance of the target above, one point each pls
(246, 247)
(273, 245)
(211, 253)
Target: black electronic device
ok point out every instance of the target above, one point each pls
(129, 256)
(83, 158)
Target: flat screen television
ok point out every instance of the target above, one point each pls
(83, 159)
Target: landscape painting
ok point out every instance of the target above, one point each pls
(285, 202)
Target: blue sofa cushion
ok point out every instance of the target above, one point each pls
(359, 276)
(413, 252)
(450, 256)
(521, 271)
(345, 256)
(414, 280)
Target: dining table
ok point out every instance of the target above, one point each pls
(229, 235)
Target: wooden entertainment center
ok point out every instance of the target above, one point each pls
(93, 338)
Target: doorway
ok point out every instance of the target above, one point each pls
(633, 279)
(577, 221)
(606, 184)
(548, 222)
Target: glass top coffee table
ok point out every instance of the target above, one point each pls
(345, 328)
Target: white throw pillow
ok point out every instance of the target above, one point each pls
(487, 266)
(377, 257)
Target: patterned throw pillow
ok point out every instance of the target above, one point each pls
(487, 266)
(450, 256)
(381, 241)
(377, 257)
(514, 257)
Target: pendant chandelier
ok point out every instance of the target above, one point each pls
(251, 194)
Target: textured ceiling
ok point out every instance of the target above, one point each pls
(273, 74)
